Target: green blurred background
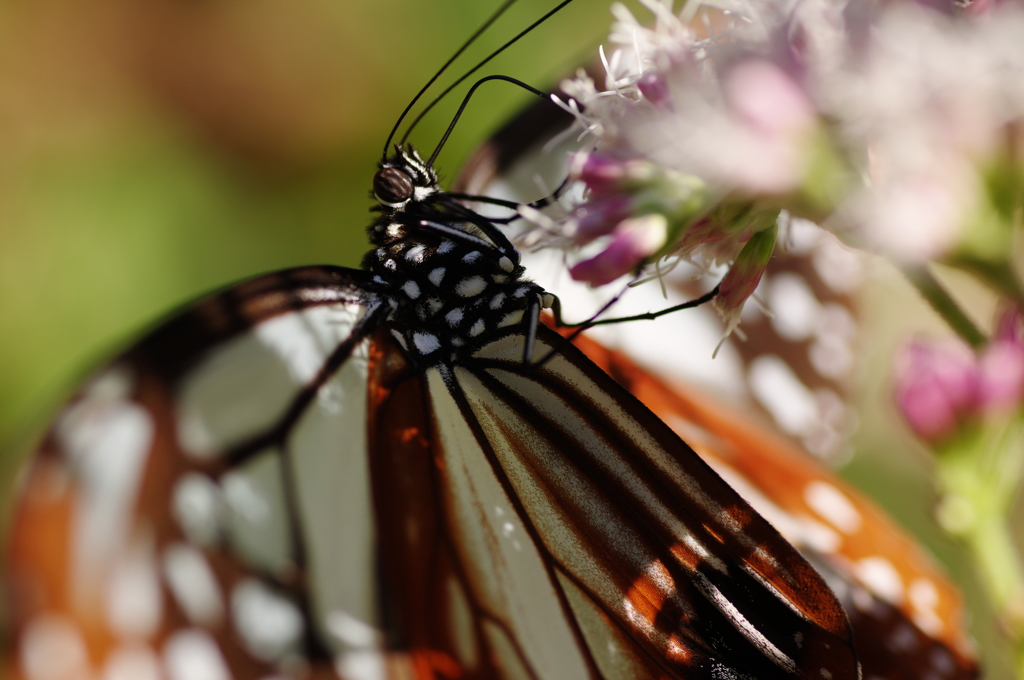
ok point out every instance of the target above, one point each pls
(150, 152)
(153, 151)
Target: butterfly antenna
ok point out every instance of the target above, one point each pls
(476, 34)
(476, 68)
(465, 103)
(596, 321)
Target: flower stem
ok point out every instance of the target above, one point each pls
(978, 481)
(998, 275)
(944, 305)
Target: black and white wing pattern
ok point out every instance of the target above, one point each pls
(331, 473)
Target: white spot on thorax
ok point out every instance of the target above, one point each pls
(454, 317)
(194, 655)
(432, 306)
(412, 289)
(193, 584)
(470, 258)
(506, 264)
(446, 247)
(270, 625)
(415, 254)
(511, 319)
(831, 504)
(497, 301)
(470, 286)
(426, 342)
(436, 276)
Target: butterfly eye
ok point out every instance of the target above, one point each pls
(392, 186)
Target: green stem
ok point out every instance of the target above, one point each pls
(944, 305)
(999, 276)
(977, 497)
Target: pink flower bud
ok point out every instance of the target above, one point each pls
(600, 217)
(1010, 326)
(607, 174)
(745, 272)
(1001, 377)
(633, 241)
(653, 87)
(601, 173)
(936, 386)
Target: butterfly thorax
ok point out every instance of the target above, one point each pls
(451, 286)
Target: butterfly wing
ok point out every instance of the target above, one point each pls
(582, 538)
(178, 519)
(907, 616)
(265, 485)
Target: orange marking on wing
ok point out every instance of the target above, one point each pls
(408, 435)
(40, 559)
(783, 472)
(432, 663)
(686, 556)
(646, 597)
(677, 651)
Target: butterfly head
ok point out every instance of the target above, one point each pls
(402, 178)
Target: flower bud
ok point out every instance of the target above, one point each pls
(936, 386)
(633, 240)
(744, 275)
(600, 217)
(601, 173)
(653, 87)
(1000, 377)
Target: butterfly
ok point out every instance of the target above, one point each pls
(365, 473)
(326, 472)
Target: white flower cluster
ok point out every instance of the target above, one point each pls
(895, 124)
